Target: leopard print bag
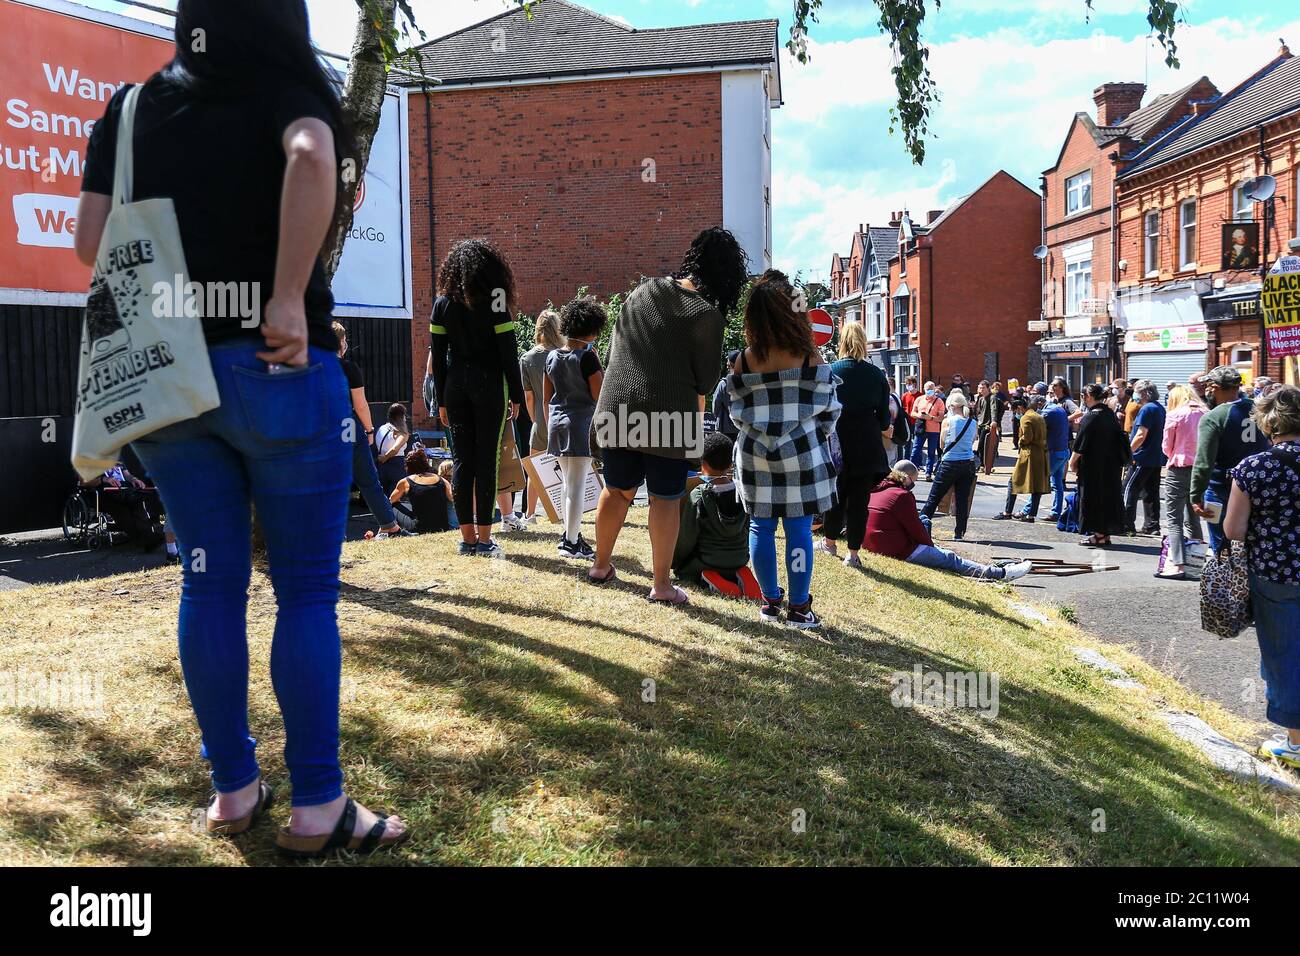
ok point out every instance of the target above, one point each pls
(1225, 592)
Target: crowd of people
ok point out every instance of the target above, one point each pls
(798, 440)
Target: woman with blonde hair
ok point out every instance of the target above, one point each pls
(532, 368)
(863, 427)
(1179, 445)
(957, 465)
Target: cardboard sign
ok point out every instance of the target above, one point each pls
(544, 468)
(1281, 301)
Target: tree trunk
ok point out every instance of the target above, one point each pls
(363, 98)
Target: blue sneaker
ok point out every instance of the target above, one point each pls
(1282, 750)
(489, 550)
(467, 549)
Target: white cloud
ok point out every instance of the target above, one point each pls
(1007, 102)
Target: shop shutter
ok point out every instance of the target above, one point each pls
(1162, 367)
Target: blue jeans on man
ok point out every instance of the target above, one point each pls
(1214, 529)
(925, 442)
(1057, 461)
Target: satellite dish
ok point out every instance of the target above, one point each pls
(1040, 253)
(1259, 189)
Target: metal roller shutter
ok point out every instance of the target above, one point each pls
(1163, 367)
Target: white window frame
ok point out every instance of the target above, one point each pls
(1243, 209)
(1075, 186)
(1187, 234)
(1078, 272)
(1151, 242)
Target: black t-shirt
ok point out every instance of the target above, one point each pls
(221, 161)
(353, 373)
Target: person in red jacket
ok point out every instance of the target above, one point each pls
(896, 530)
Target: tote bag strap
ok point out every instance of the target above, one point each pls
(123, 165)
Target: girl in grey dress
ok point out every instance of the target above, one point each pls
(573, 377)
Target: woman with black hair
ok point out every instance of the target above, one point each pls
(663, 363)
(1101, 451)
(476, 378)
(244, 134)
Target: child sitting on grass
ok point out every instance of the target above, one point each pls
(713, 540)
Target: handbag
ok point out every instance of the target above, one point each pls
(1225, 592)
(138, 370)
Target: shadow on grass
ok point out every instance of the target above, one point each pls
(715, 769)
(746, 736)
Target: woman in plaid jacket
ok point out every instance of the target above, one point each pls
(784, 406)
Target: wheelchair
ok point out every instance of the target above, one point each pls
(84, 522)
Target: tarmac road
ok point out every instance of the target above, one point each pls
(1158, 620)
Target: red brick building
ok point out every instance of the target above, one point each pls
(590, 152)
(962, 287)
(1078, 272)
(1182, 199)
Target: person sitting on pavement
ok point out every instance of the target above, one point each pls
(392, 444)
(1031, 474)
(895, 530)
(713, 540)
(420, 499)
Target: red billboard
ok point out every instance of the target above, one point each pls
(58, 69)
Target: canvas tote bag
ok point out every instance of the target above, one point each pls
(138, 371)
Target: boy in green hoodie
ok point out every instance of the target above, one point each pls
(713, 541)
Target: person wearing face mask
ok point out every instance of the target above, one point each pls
(895, 530)
(1225, 435)
(927, 413)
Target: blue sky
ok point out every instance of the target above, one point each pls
(1012, 73)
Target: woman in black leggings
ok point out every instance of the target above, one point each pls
(476, 376)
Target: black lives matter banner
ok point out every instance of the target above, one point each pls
(1281, 302)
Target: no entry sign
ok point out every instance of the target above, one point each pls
(823, 326)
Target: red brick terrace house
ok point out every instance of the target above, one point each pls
(1184, 302)
(590, 152)
(845, 302)
(964, 286)
(1078, 193)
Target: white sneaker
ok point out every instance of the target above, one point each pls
(511, 522)
(822, 547)
(1017, 570)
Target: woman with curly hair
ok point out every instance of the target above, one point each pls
(476, 379)
(663, 361)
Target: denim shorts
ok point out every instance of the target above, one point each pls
(625, 469)
(1277, 626)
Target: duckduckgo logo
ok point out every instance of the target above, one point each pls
(75, 909)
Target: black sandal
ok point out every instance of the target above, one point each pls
(265, 799)
(342, 838)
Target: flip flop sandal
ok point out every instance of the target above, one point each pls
(612, 576)
(677, 592)
(323, 844)
(265, 799)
